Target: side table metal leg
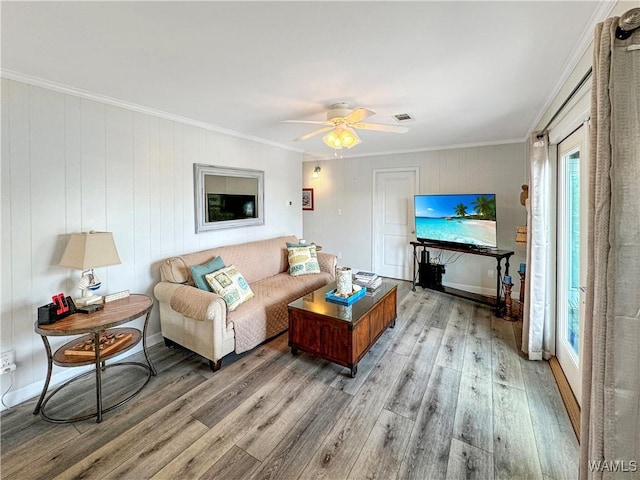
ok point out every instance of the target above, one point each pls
(498, 311)
(49, 370)
(144, 344)
(96, 340)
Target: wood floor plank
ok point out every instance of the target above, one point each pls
(451, 353)
(157, 450)
(473, 422)
(236, 464)
(99, 434)
(468, 462)
(406, 397)
(294, 452)
(558, 459)
(506, 360)
(441, 311)
(428, 449)
(515, 454)
(460, 317)
(195, 460)
(337, 454)
(382, 453)
(409, 328)
(477, 358)
(220, 405)
(265, 435)
(480, 322)
(111, 455)
(34, 444)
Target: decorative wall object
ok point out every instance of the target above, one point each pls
(227, 197)
(307, 198)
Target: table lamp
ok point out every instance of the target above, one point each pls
(86, 251)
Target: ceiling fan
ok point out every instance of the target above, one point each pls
(341, 122)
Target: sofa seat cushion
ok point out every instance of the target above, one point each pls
(265, 315)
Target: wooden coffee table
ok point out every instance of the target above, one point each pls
(339, 333)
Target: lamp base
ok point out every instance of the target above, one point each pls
(90, 300)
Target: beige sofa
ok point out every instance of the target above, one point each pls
(199, 320)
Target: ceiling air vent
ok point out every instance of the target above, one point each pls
(403, 117)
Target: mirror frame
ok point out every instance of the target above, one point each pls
(199, 172)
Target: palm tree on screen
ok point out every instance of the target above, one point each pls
(485, 207)
(461, 210)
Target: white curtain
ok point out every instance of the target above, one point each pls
(538, 339)
(610, 419)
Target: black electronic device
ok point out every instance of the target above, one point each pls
(90, 308)
(60, 308)
(423, 270)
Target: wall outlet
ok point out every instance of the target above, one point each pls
(339, 255)
(7, 362)
(491, 272)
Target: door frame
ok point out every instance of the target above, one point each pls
(565, 352)
(374, 202)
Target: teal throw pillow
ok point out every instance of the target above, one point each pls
(199, 271)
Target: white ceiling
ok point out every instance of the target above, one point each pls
(470, 73)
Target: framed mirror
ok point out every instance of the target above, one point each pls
(227, 197)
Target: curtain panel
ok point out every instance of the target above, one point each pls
(610, 419)
(538, 335)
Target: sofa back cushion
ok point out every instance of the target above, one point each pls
(254, 260)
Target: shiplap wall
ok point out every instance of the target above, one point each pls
(71, 164)
(346, 184)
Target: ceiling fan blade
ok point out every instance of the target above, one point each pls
(312, 122)
(313, 134)
(380, 127)
(357, 115)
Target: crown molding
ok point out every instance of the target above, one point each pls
(601, 12)
(309, 157)
(66, 89)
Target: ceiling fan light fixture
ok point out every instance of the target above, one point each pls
(341, 137)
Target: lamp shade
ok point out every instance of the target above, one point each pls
(90, 250)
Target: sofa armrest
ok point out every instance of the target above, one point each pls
(191, 301)
(328, 263)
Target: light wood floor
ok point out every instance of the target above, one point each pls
(444, 394)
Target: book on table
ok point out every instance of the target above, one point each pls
(362, 275)
(369, 284)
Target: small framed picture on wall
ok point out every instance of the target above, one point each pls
(307, 198)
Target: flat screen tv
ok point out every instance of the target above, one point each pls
(467, 219)
(226, 206)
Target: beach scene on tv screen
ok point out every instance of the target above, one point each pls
(464, 218)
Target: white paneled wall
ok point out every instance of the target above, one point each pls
(70, 164)
(346, 185)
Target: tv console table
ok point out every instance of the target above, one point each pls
(497, 303)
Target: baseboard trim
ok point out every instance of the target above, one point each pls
(569, 399)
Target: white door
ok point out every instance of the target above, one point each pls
(572, 254)
(393, 191)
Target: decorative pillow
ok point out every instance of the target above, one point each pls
(198, 272)
(230, 285)
(303, 261)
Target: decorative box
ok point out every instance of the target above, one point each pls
(358, 293)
